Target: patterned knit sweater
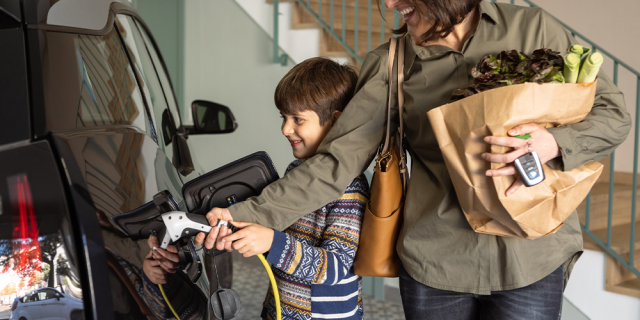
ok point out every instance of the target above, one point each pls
(312, 260)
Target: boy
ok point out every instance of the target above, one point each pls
(312, 259)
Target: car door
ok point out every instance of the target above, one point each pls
(52, 307)
(106, 140)
(30, 308)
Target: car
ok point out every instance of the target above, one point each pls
(90, 129)
(46, 303)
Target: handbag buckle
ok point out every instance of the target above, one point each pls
(384, 159)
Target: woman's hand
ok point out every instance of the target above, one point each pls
(216, 233)
(542, 142)
(251, 239)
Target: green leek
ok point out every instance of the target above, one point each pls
(571, 67)
(581, 51)
(590, 68)
(577, 49)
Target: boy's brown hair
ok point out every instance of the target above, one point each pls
(317, 84)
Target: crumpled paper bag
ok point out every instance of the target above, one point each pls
(529, 213)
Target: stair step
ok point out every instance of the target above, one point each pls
(620, 280)
(302, 17)
(599, 206)
(620, 241)
(329, 44)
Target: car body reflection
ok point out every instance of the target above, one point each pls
(47, 303)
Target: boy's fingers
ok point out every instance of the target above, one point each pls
(211, 238)
(227, 245)
(235, 236)
(171, 248)
(199, 239)
(239, 224)
(241, 243)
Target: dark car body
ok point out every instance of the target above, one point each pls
(89, 129)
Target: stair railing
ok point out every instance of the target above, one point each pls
(617, 63)
(606, 244)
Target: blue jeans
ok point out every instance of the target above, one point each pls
(541, 300)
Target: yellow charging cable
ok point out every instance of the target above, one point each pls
(274, 287)
(167, 301)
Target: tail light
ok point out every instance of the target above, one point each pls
(25, 232)
(14, 305)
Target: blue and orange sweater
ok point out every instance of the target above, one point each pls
(312, 260)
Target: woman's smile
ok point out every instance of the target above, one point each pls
(407, 13)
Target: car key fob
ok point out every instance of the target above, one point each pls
(530, 168)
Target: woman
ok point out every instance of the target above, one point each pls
(451, 272)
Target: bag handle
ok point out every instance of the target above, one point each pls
(394, 48)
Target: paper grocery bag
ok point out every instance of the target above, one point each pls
(529, 213)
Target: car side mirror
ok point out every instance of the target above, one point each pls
(58, 296)
(211, 117)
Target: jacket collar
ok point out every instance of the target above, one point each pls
(488, 9)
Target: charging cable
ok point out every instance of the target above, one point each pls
(272, 279)
(274, 286)
(169, 303)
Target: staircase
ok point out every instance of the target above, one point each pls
(353, 47)
(619, 279)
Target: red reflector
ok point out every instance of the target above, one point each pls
(15, 305)
(26, 247)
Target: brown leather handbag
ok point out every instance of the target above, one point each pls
(382, 221)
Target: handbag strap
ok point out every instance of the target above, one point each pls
(394, 48)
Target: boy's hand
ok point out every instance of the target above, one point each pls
(251, 239)
(216, 233)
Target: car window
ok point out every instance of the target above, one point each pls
(162, 73)
(149, 80)
(89, 82)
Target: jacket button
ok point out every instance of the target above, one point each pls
(569, 151)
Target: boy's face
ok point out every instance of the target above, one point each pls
(304, 132)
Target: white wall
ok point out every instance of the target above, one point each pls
(228, 60)
(299, 44)
(586, 291)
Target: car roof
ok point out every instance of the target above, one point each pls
(82, 14)
(90, 15)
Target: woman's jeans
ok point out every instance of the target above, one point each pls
(541, 300)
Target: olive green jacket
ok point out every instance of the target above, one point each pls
(437, 246)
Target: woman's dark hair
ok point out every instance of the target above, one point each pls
(317, 84)
(445, 15)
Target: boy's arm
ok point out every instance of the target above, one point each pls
(331, 261)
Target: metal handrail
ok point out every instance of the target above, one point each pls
(627, 263)
(617, 63)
